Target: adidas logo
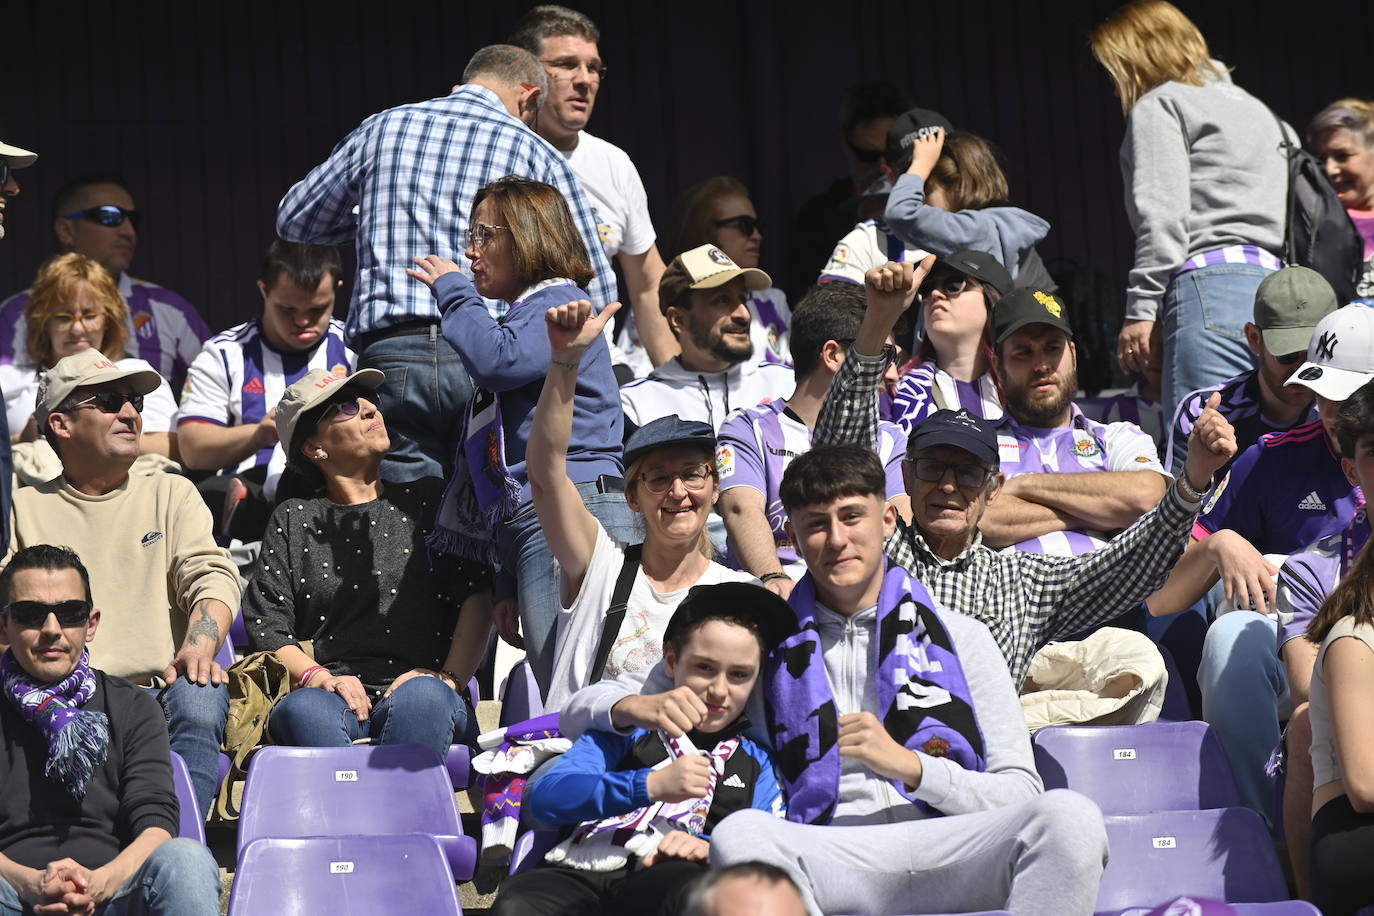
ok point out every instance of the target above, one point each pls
(254, 386)
(1312, 501)
(733, 781)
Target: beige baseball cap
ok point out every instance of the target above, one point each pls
(89, 367)
(705, 267)
(313, 389)
(15, 157)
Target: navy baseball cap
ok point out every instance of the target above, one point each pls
(979, 265)
(959, 429)
(666, 431)
(775, 618)
(1028, 306)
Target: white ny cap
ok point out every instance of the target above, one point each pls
(1340, 356)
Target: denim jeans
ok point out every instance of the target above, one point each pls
(423, 710)
(1243, 680)
(179, 878)
(196, 718)
(423, 399)
(1205, 311)
(522, 547)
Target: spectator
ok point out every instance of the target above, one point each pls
(958, 301)
(94, 215)
(1342, 133)
(647, 797)
(866, 115)
(89, 815)
(757, 445)
(745, 889)
(12, 158)
(705, 296)
(525, 251)
(225, 420)
(75, 305)
(565, 41)
(1046, 443)
(418, 168)
(671, 484)
(168, 592)
(348, 571)
(718, 212)
(1204, 192)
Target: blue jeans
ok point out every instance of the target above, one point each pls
(196, 718)
(1242, 681)
(423, 399)
(1205, 311)
(179, 878)
(423, 710)
(522, 548)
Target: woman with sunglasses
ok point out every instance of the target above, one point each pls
(671, 483)
(348, 570)
(74, 306)
(953, 364)
(527, 253)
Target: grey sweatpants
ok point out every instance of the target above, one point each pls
(1043, 857)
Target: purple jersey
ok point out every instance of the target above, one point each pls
(1083, 446)
(1307, 578)
(1240, 405)
(1284, 492)
(928, 388)
(755, 447)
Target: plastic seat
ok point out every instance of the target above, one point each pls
(192, 827)
(362, 789)
(344, 876)
(238, 630)
(521, 698)
(225, 656)
(530, 848)
(1206, 907)
(1218, 854)
(1136, 769)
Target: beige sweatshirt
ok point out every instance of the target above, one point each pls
(151, 556)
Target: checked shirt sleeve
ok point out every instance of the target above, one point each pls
(319, 208)
(849, 415)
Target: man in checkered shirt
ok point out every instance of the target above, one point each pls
(401, 185)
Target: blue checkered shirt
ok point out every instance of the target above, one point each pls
(402, 184)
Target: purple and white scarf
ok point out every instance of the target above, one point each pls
(921, 688)
(608, 844)
(509, 756)
(78, 739)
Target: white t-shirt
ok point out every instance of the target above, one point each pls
(866, 246)
(619, 204)
(708, 397)
(640, 643)
(20, 384)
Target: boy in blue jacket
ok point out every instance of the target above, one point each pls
(644, 804)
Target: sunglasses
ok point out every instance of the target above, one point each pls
(106, 215)
(111, 401)
(479, 234)
(862, 154)
(1291, 359)
(694, 478)
(5, 172)
(340, 411)
(33, 614)
(967, 476)
(744, 223)
(951, 286)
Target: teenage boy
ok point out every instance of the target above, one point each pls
(657, 798)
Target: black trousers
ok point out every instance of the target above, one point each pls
(555, 890)
(1342, 850)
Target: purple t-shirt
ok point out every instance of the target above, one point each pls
(1240, 405)
(1307, 578)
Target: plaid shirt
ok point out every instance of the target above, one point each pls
(1026, 600)
(402, 185)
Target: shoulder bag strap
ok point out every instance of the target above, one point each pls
(615, 615)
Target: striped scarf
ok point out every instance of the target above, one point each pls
(78, 739)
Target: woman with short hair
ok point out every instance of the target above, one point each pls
(1342, 134)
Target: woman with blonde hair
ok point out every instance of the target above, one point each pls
(1206, 193)
(1342, 134)
(75, 305)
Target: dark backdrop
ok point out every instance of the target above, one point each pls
(212, 111)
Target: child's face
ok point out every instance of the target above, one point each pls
(719, 663)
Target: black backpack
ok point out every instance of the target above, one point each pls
(1317, 232)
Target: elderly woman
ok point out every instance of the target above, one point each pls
(527, 254)
(1342, 133)
(75, 305)
(349, 572)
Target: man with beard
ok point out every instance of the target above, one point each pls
(705, 297)
(1046, 443)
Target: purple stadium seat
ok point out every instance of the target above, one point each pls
(458, 763)
(238, 631)
(225, 656)
(192, 825)
(520, 696)
(1219, 854)
(344, 876)
(362, 789)
(530, 848)
(1200, 907)
(1136, 769)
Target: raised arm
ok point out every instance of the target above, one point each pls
(642, 273)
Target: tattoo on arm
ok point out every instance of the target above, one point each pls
(203, 626)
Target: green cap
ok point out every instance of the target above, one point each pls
(1288, 306)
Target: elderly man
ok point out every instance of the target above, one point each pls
(168, 592)
(402, 184)
(88, 811)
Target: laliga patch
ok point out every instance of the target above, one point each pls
(1050, 303)
(1086, 447)
(720, 257)
(840, 255)
(725, 460)
(1216, 494)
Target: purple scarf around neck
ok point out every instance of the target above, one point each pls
(78, 739)
(922, 691)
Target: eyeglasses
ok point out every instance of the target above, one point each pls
(693, 478)
(33, 614)
(111, 401)
(951, 285)
(744, 223)
(340, 411)
(5, 171)
(565, 67)
(967, 476)
(64, 320)
(480, 233)
(106, 215)
(1291, 359)
(862, 154)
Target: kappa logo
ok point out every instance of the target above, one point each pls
(254, 386)
(720, 257)
(1326, 345)
(1312, 502)
(151, 538)
(1050, 303)
(734, 782)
